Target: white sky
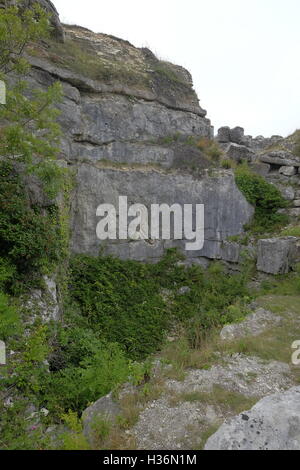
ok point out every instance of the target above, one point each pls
(243, 55)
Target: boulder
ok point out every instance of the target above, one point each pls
(240, 153)
(272, 424)
(237, 135)
(288, 170)
(281, 158)
(262, 169)
(276, 255)
(287, 192)
(105, 408)
(253, 325)
(223, 135)
(294, 212)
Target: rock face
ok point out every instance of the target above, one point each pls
(226, 211)
(127, 119)
(272, 424)
(277, 255)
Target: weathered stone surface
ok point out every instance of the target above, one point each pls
(296, 203)
(121, 129)
(272, 424)
(240, 153)
(223, 135)
(288, 192)
(276, 255)
(141, 75)
(249, 376)
(104, 408)
(227, 135)
(294, 212)
(262, 169)
(253, 325)
(288, 170)
(43, 304)
(237, 135)
(281, 158)
(226, 210)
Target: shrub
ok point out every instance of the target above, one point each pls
(265, 197)
(9, 318)
(29, 236)
(120, 299)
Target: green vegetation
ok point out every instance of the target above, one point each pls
(266, 199)
(291, 231)
(165, 70)
(30, 236)
(123, 300)
(210, 148)
(228, 164)
(116, 314)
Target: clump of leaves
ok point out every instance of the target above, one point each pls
(266, 199)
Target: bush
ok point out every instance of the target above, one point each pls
(266, 199)
(120, 299)
(29, 236)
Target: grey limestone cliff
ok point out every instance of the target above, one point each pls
(127, 118)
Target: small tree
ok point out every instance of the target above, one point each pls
(30, 237)
(29, 132)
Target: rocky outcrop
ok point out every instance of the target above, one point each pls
(277, 255)
(127, 119)
(255, 324)
(272, 424)
(281, 158)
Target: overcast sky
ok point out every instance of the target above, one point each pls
(243, 55)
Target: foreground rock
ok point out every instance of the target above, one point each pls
(103, 409)
(272, 424)
(254, 325)
(174, 422)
